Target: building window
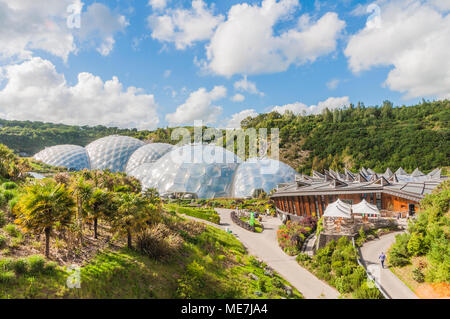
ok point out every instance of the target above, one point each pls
(303, 205)
(378, 196)
(317, 206)
(322, 202)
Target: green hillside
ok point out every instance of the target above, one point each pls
(359, 136)
(376, 137)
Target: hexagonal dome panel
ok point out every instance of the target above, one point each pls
(205, 170)
(112, 152)
(260, 173)
(73, 157)
(148, 153)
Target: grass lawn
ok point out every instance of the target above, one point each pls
(422, 290)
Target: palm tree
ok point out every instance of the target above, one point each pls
(44, 205)
(133, 215)
(82, 191)
(100, 204)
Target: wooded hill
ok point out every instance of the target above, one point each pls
(358, 136)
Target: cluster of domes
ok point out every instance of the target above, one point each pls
(205, 171)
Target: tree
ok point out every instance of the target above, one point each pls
(82, 191)
(152, 195)
(43, 206)
(134, 214)
(100, 204)
(11, 166)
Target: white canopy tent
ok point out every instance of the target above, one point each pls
(363, 208)
(338, 209)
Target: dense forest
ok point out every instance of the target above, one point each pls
(357, 136)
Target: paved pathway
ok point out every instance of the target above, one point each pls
(370, 251)
(308, 245)
(265, 246)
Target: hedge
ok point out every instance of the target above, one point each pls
(206, 214)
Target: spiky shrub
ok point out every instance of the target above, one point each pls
(159, 242)
(44, 205)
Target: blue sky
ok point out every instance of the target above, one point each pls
(342, 69)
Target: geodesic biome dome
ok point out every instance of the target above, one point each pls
(73, 157)
(148, 153)
(204, 170)
(112, 152)
(260, 173)
(142, 172)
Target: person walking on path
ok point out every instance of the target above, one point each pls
(382, 258)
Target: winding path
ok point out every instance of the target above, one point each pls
(370, 251)
(265, 246)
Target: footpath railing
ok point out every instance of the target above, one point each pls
(369, 275)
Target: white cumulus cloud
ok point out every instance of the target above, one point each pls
(34, 90)
(413, 38)
(158, 4)
(246, 44)
(184, 26)
(235, 120)
(238, 98)
(199, 106)
(245, 85)
(300, 108)
(26, 26)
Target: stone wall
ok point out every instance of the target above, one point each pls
(241, 223)
(374, 223)
(335, 228)
(339, 226)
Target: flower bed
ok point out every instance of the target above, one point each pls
(292, 235)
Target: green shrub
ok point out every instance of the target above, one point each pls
(3, 200)
(415, 244)
(364, 292)
(262, 285)
(12, 203)
(277, 283)
(2, 219)
(253, 261)
(9, 185)
(7, 277)
(303, 258)
(20, 266)
(342, 284)
(398, 255)
(50, 267)
(418, 275)
(2, 241)
(6, 264)
(9, 194)
(12, 230)
(36, 264)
